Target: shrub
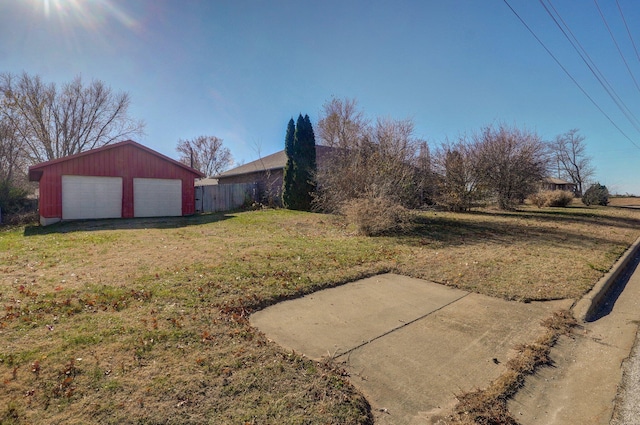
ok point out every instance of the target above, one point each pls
(561, 198)
(19, 219)
(538, 199)
(377, 216)
(597, 194)
(369, 160)
(552, 198)
(13, 199)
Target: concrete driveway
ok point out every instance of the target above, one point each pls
(409, 345)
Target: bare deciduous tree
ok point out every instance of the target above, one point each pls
(207, 152)
(341, 175)
(342, 125)
(368, 161)
(459, 186)
(13, 181)
(425, 174)
(11, 158)
(394, 161)
(52, 123)
(511, 163)
(569, 152)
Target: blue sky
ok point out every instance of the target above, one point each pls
(239, 69)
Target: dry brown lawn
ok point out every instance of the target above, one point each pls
(624, 201)
(145, 321)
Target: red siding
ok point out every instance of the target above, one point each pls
(127, 160)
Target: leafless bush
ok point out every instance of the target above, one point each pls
(503, 165)
(20, 218)
(377, 216)
(380, 160)
(552, 198)
(538, 199)
(458, 183)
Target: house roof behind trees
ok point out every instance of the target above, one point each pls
(270, 162)
(557, 181)
(275, 161)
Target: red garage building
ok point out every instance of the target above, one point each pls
(121, 180)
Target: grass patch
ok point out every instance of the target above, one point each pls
(145, 321)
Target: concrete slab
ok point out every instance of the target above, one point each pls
(332, 322)
(415, 373)
(409, 345)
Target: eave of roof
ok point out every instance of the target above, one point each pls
(555, 180)
(275, 161)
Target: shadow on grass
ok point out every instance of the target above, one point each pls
(126, 223)
(457, 230)
(452, 229)
(579, 215)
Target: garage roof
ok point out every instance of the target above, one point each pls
(35, 171)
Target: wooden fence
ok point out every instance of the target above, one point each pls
(225, 197)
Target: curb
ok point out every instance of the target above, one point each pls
(585, 307)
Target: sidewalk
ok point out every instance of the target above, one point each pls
(627, 409)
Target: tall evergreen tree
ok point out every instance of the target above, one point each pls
(289, 173)
(298, 182)
(307, 164)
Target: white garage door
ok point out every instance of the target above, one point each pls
(91, 197)
(157, 197)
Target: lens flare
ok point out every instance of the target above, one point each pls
(91, 14)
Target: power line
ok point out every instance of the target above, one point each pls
(569, 74)
(628, 31)
(617, 46)
(573, 40)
